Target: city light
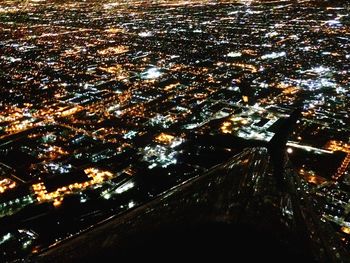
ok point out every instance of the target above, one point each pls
(109, 105)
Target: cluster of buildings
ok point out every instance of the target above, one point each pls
(106, 104)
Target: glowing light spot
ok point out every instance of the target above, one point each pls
(333, 23)
(151, 73)
(274, 55)
(245, 99)
(234, 54)
(57, 202)
(125, 187)
(146, 34)
(131, 204)
(345, 229)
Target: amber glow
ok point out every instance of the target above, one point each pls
(344, 147)
(226, 127)
(345, 230)
(97, 177)
(311, 177)
(245, 99)
(114, 50)
(165, 138)
(6, 184)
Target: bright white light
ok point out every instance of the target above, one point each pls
(234, 54)
(152, 166)
(125, 187)
(151, 73)
(333, 23)
(341, 90)
(175, 143)
(320, 70)
(131, 204)
(130, 135)
(233, 13)
(271, 34)
(26, 244)
(274, 55)
(5, 238)
(107, 196)
(146, 34)
(289, 150)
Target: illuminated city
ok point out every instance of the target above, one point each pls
(108, 105)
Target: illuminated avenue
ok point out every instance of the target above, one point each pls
(106, 104)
